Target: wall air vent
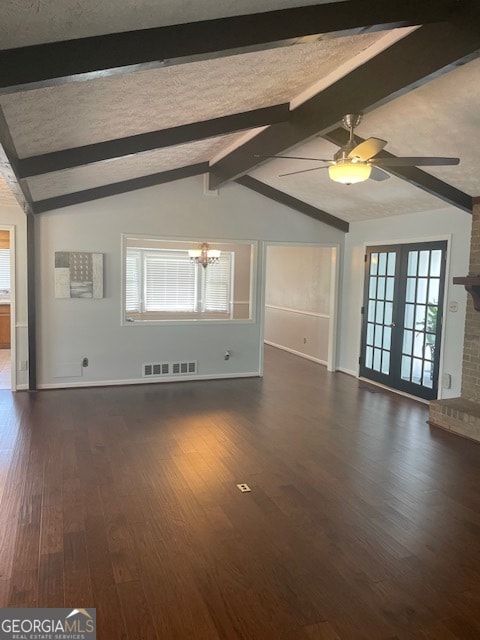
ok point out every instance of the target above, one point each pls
(160, 369)
(156, 369)
(184, 368)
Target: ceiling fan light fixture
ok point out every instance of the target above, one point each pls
(349, 172)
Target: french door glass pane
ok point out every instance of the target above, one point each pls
(388, 313)
(406, 367)
(386, 363)
(412, 263)
(370, 329)
(389, 290)
(368, 357)
(409, 311)
(387, 338)
(407, 342)
(435, 263)
(381, 288)
(380, 311)
(410, 292)
(420, 318)
(392, 257)
(433, 290)
(382, 264)
(379, 314)
(422, 290)
(424, 263)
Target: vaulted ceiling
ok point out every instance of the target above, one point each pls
(100, 98)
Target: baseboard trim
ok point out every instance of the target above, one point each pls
(158, 380)
(392, 390)
(349, 372)
(295, 353)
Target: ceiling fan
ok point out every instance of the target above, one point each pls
(356, 162)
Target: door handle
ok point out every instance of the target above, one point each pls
(393, 324)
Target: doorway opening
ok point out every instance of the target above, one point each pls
(7, 308)
(402, 316)
(301, 300)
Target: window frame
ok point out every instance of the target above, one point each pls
(7, 259)
(145, 319)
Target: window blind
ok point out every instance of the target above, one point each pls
(218, 284)
(170, 282)
(5, 270)
(132, 281)
(166, 281)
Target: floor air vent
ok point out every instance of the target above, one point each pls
(169, 369)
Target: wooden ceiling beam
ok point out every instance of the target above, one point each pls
(421, 179)
(293, 203)
(424, 54)
(134, 145)
(9, 167)
(116, 188)
(51, 64)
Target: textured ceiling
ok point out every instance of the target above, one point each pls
(6, 196)
(26, 22)
(95, 175)
(82, 113)
(441, 118)
(362, 201)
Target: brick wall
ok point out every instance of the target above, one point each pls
(462, 415)
(471, 350)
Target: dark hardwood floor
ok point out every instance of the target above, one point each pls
(362, 522)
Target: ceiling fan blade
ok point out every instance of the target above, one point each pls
(379, 175)
(291, 173)
(413, 162)
(367, 149)
(295, 158)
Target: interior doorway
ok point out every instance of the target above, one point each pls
(7, 308)
(402, 316)
(301, 300)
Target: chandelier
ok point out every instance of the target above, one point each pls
(204, 255)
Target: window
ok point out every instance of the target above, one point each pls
(4, 271)
(164, 284)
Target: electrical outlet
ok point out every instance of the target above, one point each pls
(85, 362)
(304, 341)
(23, 365)
(244, 488)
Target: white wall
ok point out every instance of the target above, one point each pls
(71, 329)
(450, 224)
(12, 215)
(297, 299)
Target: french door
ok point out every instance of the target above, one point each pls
(402, 316)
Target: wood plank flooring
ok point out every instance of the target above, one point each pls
(362, 522)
